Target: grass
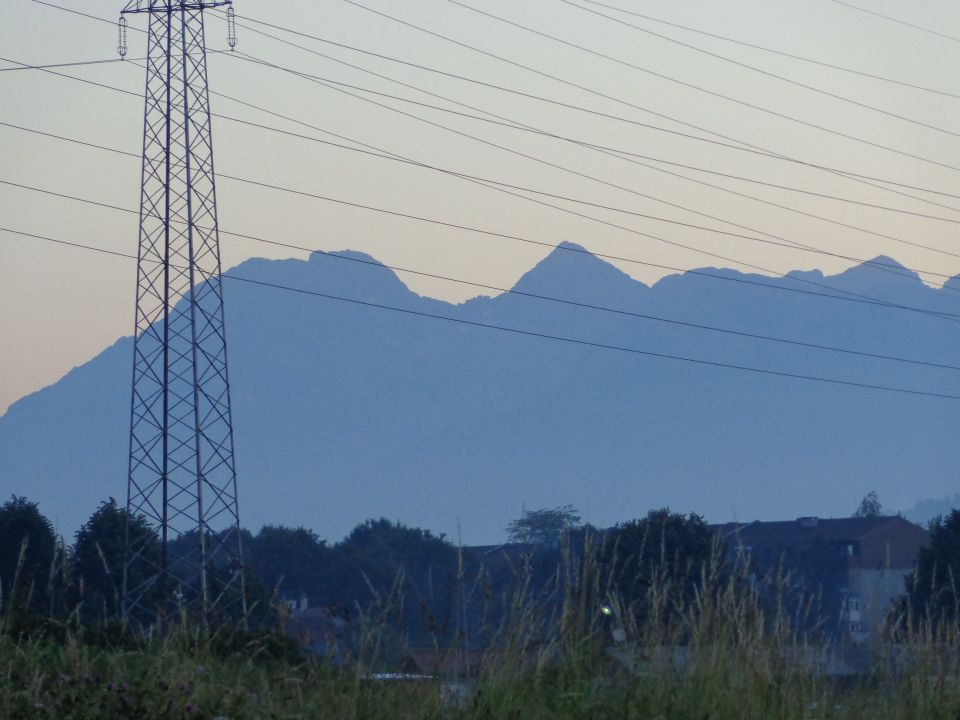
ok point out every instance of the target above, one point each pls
(729, 650)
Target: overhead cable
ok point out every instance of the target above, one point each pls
(782, 78)
(544, 336)
(740, 146)
(774, 51)
(518, 238)
(566, 210)
(785, 242)
(898, 21)
(880, 266)
(707, 91)
(506, 122)
(79, 63)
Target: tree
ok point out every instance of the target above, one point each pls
(399, 569)
(661, 550)
(869, 506)
(381, 548)
(543, 527)
(98, 556)
(28, 554)
(933, 589)
(293, 560)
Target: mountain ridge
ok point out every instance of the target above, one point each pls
(344, 412)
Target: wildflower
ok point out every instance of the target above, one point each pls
(201, 670)
(65, 679)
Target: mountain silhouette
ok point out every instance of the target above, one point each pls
(344, 411)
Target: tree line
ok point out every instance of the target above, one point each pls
(426, 586)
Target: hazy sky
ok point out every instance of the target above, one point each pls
(60, 306)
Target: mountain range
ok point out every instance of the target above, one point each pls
(345, 411)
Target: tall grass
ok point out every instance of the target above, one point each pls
(729, 647)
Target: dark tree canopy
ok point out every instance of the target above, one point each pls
(380, 555)
(381, 547)
(869, 506)
(933, 589)
(662, 547)
(98, 555)
(543, 527)
(28, 551)
(293, 561)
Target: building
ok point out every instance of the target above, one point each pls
(321, 630)
(859, 564)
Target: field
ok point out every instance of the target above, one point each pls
(178, 679)
(726, 652)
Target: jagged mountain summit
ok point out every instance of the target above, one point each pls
(345, 411)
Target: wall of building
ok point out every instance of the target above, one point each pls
(875, 590)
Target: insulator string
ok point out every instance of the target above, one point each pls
(122, 36)
(231, 28)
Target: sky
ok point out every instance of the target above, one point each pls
(60, 306)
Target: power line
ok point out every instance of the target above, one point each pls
(385, 155)
(698, 88)
(782, 53)
(768, 73)
(540, 202)
(741, 147)
(324, 81)
(295, 191)
(619, 311)
(879, 265)
(707, 184)
(393, 156)
(304, 193)
(530, 333)
(613, 152)
(899, 21)
(68, 64)
(517, 238)
(614, 185)
(83, 14)
(94, 83)
(502, 121)
(785, 242)
(335, 200)
(547, 298)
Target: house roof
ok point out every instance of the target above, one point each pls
(891, 538)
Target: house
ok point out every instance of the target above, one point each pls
(859, 563)
(321, 630)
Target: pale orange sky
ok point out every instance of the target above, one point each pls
(60, 306)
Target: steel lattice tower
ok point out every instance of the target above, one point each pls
(182, 477)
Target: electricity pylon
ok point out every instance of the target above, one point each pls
(182, 546)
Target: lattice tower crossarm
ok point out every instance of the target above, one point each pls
(159, 6)
(182, 475)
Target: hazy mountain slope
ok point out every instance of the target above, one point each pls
(344, 412)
